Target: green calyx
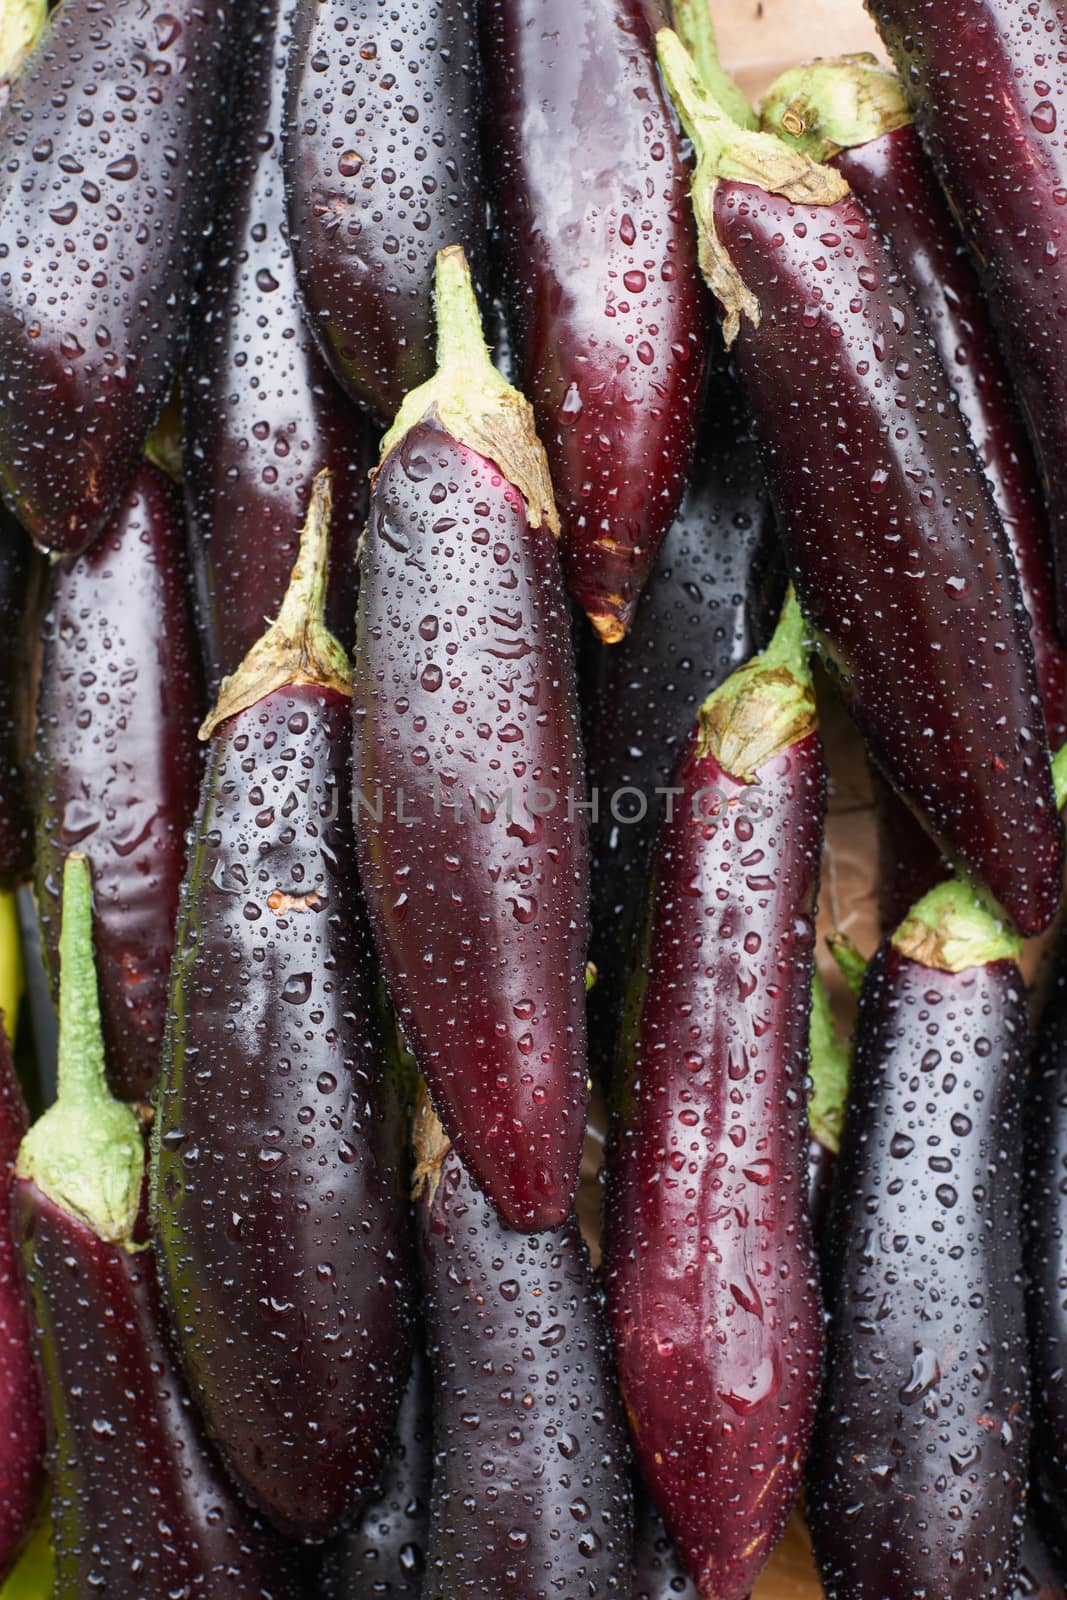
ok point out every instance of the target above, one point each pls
(21, 22)
(297, 647)
(1059, 776)
(473, 401)
(763, 707)
(693, 25)
(834, 105)
(956, 926)
(828, 1069)
(851, 962)
(726, 150)
(86, 1152)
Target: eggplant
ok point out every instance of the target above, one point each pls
(117, 761)
(710, 1271)
(21, 1411)
(277, 1204)
(108, 145)
(383, 171)
(702, 613)
(20, 587)
(852, 113)
(909, 862)
(383, 1557)
(1039, 1575)
(875, 477)
(531, 1492)
(608, 315)
(658, 1573)
(918, 1471)
(262, 414)
(467, 772)
(985, 80)
(141, 1510)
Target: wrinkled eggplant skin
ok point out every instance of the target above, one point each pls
(703, 612)
(117, 761)
(840, 373)
(531, 1485)
(720, 1369)
(109, 141)
(909, 862)
(277, 1204)
(262, 414)
(919, 1464)
(986, 82)
(658, 1573)
(384, 1555)
(464, 678)
(892, 178)
(141, 1509)
(383, 170)
(17, 573)
(21, 1410)
(608, 311)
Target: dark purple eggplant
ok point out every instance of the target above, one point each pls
(709, 1264)
(600, 268)
(852, 112)
(468, 773)
(899, 557)
(909, 862)
(19, 581)
(658, 1573)
(986, 81)
(277, 1201)
(703, 611)
(918, 1470)
(383, 171)
(262, 413)
(1039, 1574)
(531, 1490)
(21, 1411)
(384, 1556)
(108, 145)
(140, 1508)
(117, 760)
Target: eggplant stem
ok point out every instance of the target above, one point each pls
(833, 105)
(956, 926)
(1059, 776)
(695, 28)
(851, 962)
(21, 23)
(430, 1145)
(828, 1068)
(86, 1152)
(765, 706)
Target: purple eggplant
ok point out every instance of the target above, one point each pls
(140, 1508)
(108, 144)
(277, 1203)
(117, 764)
(658, 1573)
(468, 773)
(703, 611)
(852, 112)
(986, 82)
(262, 413)
(709, 1264)
(531, 1492)
(899, 557)
(918, 1470)
(21, 584)
(608, 314)
(383, 170)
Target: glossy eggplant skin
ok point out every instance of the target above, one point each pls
(1039, 1574)
(262, 414)
(384, 1556)
(465, 706)
(108, 140)
(703, 612)
(383, 170)
(531, 1489)
(141, 1509)
(986, 83)
(16, 819)
(608, 310)
(658, 1573)
(874, 477)
(117, 760)
(919, 1464)
(720, 1367)
(277, 1205)
(892, 178)
(909, 862)
(21, 1410)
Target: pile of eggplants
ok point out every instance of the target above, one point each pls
(457, 460)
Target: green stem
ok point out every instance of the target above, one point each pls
(851, 962)
(765, 706)
(834, 105)
(957, 926)
(21, 22)
(693, 25)
(1059, 776)
(297, 647)
(828, 1069)
(86, 1153)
